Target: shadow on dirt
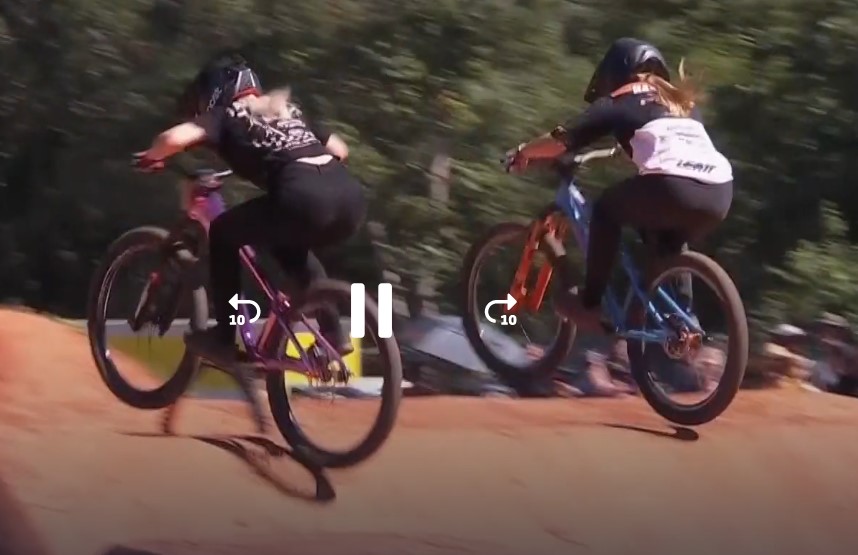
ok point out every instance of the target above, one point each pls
(18, 535)
(680, 433)
(258, 453)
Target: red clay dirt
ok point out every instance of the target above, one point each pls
(776, 474)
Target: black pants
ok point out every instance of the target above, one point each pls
(307, 207)
(669, 211)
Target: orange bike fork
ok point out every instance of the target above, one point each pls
(531, 299)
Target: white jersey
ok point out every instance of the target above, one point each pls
(679, 147)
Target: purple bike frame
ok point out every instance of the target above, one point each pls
(202, 203)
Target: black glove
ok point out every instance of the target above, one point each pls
(511, 157)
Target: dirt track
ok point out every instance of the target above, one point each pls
(776, 475)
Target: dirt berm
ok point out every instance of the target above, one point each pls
(777, 475)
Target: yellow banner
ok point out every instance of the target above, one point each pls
(353, 360)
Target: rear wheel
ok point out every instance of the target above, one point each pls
(149, 303)
(690, 380)
(547, 338)
(304, 408)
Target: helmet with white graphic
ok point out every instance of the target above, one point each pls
(219, 83)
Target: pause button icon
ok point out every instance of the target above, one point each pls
(385, 310)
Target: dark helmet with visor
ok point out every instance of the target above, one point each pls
(219, 83)
(624, 58)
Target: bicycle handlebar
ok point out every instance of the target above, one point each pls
(568, 161)
(179, 168)
(595, 154)
(185, 172)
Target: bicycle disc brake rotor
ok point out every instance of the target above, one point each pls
(685, 344)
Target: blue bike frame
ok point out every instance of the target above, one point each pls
(575, 207)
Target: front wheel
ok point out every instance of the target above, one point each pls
(667, 373)
(547, 338)
(150, 303)
(304, 411)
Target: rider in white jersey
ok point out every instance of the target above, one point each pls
(683, 188)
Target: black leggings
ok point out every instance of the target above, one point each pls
(307, 207)
(669, 211)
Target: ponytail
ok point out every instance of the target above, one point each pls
(679, 97)
(276, 104)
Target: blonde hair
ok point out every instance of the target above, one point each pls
(679, 97)
(276, 104)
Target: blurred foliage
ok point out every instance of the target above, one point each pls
(86, 82)
(817, 276)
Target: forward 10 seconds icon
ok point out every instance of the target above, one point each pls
(505, 319)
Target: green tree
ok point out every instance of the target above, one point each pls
(817, 276)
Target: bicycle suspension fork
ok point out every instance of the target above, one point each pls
(552, 227)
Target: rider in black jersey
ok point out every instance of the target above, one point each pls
(312, 201)
(683, 188)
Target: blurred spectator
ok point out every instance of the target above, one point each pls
(597, 380)
(834, 326)
(618, 364)
(795, 343)
(781, 357)
(709, 365)
(837, 368)
(839, 360)
(790, 337)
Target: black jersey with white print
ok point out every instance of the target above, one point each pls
(257, 148)
(656, 141)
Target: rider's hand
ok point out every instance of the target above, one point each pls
(145, 164)
(515, 162)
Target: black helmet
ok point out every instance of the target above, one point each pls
(219, 83)
(624, 58)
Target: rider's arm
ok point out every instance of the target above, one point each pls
(175, 140)
(542, 148)
(204, 128)
(598, 120)
(337, 146)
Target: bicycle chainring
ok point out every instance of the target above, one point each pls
(325, 369)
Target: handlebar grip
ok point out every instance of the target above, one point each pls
(598, 153)
(140, 162)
